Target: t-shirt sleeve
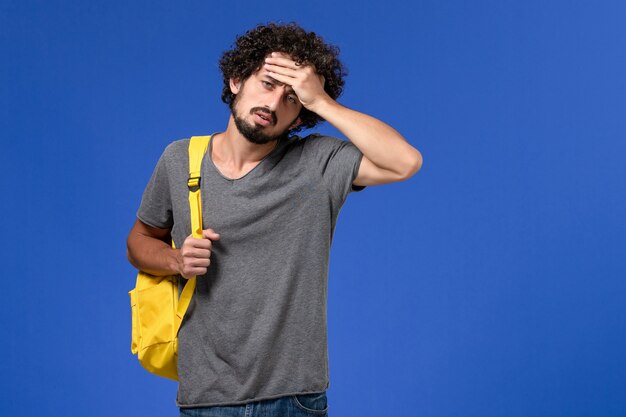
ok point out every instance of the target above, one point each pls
(156, 204)
(337, 161)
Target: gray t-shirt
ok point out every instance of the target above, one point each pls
(256, 326)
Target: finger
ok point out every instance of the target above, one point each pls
(193, 243)
(280, 58)
(193, 272)
(198, 263)
(277, 69)
(210, 234)
(197, 253)
(283, 62)
(285, 79)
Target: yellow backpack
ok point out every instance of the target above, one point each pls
(157, 310)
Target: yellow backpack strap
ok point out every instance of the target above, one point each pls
(197, 148)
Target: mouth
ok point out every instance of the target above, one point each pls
(264, 118)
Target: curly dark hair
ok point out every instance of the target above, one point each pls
(250, 50)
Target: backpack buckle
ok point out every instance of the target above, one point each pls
(193, 183)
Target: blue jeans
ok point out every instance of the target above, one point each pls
(303, 405)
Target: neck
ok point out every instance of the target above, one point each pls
(232, 149)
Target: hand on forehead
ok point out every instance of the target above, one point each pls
(284, 60)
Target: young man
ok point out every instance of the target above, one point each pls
(254, 337)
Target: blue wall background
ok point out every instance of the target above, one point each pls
(490, 284)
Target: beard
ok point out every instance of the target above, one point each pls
(253, 132)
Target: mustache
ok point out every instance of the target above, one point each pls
(265, 112)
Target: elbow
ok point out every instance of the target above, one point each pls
(130, 258)
(130, 255)
(417, 162)
(413, 164)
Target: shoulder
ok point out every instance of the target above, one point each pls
(175, 149)
(316, 143)
(318, 140)
(175, 154)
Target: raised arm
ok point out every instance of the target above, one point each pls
(387, 156)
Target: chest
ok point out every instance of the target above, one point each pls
(232, 172)
(263, 205)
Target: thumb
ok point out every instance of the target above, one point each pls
(210, 234)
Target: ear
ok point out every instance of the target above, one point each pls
(235, 85)
(295, 123)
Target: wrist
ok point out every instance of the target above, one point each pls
(322, 106)
(175, 261)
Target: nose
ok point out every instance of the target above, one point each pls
(274, 98)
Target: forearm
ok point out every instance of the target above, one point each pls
(379, 142)
(152, 254)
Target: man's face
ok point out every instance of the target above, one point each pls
(264, 109)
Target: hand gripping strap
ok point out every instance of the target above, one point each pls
(197, 148)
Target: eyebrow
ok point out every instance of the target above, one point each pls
(289, 89)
